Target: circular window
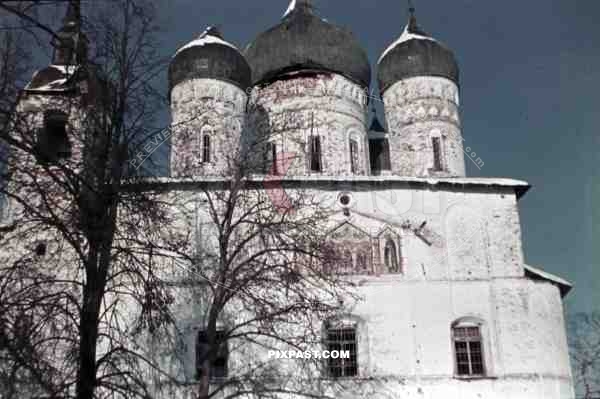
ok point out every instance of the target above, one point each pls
(345, 199)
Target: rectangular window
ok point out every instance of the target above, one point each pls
(353, 156)
(379, 151)
(53, 144)
(469, 353)
(342, 339)
(218, 367)
(315, 154)
(437, 154)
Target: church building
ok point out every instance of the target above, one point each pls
(449, 307)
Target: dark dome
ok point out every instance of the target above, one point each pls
(304, 41)
(415, 53)
(210, 57)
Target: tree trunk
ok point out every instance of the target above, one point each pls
(88, 330)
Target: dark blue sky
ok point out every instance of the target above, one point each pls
(530, 95)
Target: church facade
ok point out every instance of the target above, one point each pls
(449, 308)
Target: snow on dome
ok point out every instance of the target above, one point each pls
(209, 36)
(290, 8)
(404, 37)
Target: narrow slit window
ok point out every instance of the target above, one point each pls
(315, 154)
(342, 340)
(353, 156)
(437, 154)
(469, 351)
(206, 148)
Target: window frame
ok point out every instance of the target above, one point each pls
(465, 325)
(341, 327)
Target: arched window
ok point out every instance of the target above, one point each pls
(391, 257)
(341, 337)
(206, 148)
(468, 349)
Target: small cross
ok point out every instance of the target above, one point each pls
(411, 8)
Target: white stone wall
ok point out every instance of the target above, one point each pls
(466, 261)
(287, 112)
(206, 107)
(409, 337)
(418, 109)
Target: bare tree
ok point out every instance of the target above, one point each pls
(65, 263)
(584, 343)
(97, 268)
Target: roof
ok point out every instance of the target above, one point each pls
(536, 274)
(518, 186)
(304, 41)
(210, 57)
(54, 78)
(415, 53)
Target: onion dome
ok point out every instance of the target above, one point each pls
(304, 41)
(415, 53)
(209, 57)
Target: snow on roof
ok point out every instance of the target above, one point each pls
(57, 84)
(53, 78)
(520, 187)
(404, 37)
(65, 69)
(539, 274)
(203, 39)
(290, 8)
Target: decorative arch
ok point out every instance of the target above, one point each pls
(391, 259)
(349, 250)
(390, 251)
